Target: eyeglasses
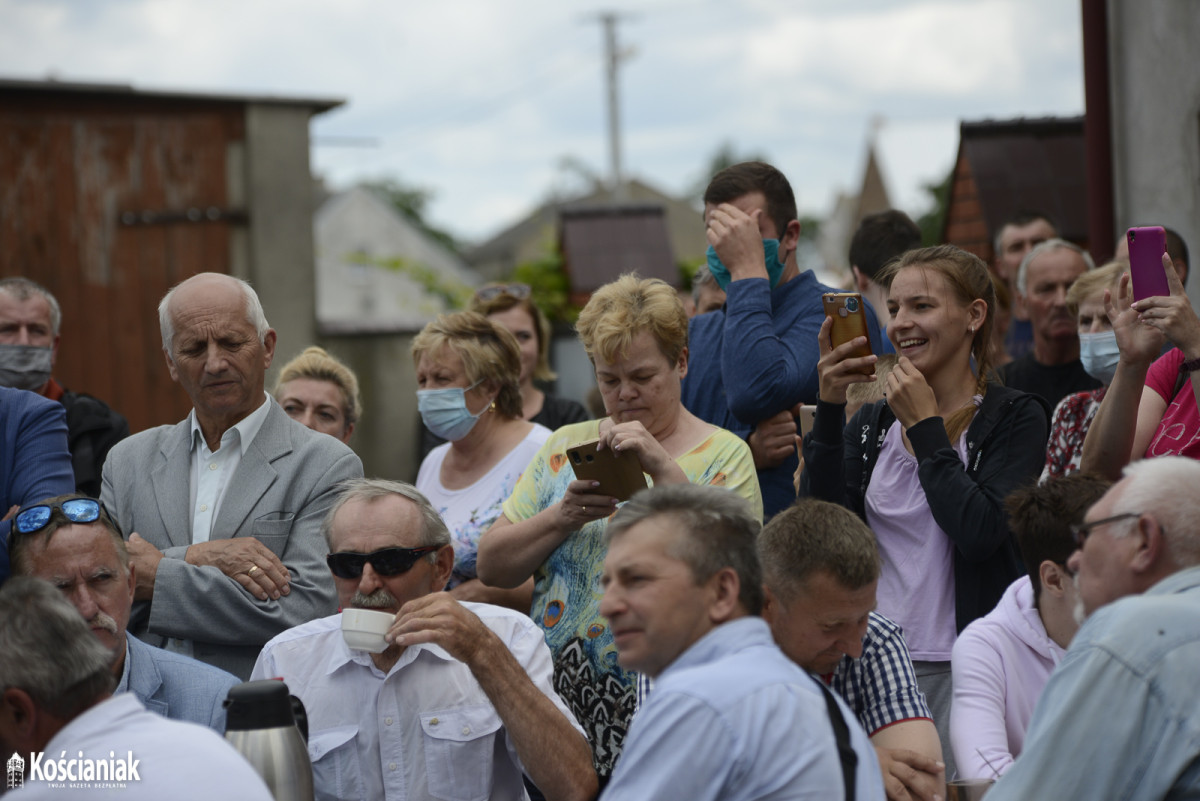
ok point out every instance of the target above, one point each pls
(1081, 531)
(78, 510)
(518, 291)
(385, 561)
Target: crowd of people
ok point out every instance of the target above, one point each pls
(980, 565)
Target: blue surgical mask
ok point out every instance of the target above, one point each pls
(1100, 354)
(775, 267)
(445, 411)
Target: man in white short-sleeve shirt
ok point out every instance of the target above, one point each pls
(460, 702)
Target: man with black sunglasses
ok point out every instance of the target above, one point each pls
(71, 542)
(461, 700)
(223, 510)
(1119, 718)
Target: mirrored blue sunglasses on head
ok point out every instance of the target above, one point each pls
(78, 510)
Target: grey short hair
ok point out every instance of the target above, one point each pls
(254, 313)
(719, 531)
(1046, 247)
(703, 277)
(47, 650)
(1165, 488)
(433, 528)
(23, 289)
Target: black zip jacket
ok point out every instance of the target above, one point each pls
(1006, 448)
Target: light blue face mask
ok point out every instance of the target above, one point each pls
(445, 411)
(775, 267)
(1100, 354)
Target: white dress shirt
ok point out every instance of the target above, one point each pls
(211, 470)
(426, 730)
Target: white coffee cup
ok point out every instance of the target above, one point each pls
(363, 629)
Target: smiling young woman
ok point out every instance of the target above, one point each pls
(929, 466)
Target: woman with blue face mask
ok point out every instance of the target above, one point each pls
(468, 393)
(1099, 354)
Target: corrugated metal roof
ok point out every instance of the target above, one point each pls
(127, 91)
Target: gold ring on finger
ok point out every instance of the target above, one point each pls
(253, 568)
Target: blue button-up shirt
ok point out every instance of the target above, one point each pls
(1119, 718)
(734, 719)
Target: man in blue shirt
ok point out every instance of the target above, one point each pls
(752, 362)
(730, 717)
(1118, 718)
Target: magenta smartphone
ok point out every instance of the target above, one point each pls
(1146, 249)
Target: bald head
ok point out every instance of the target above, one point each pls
(212, 288)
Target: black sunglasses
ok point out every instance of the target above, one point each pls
(385, 561)
(518, 291)
(33, 519)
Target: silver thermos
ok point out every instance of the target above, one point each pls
(261, 723)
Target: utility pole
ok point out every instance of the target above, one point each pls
(612, 60)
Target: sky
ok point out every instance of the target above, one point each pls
(486, 103)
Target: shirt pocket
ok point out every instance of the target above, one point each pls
(272, 530)
(459, 748)
(334, 755)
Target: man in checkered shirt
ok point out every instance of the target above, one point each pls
(820, 567)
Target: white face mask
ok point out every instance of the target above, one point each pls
(1100, 354)
(25, 366)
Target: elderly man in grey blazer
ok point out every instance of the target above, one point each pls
(225, 507)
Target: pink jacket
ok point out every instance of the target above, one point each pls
(1000, 664)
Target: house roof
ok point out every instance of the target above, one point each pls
(530, 235)
(9, 86)
(601, 243)
(377, 270)
(1029, 164)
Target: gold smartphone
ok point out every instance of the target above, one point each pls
(620, 474)
(849, 316)
(807, 413)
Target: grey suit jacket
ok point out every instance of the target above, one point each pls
(176, 687)
(286, 482)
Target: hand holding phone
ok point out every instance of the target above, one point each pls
(619, 473)
(849, 316)
(1146, 248)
